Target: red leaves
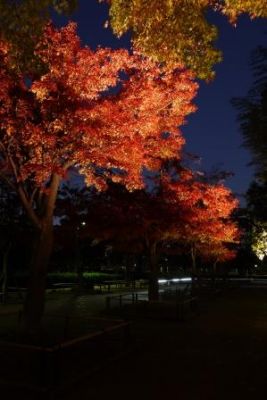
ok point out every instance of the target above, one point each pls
(70, 115)
(184, 212)
(111, 115)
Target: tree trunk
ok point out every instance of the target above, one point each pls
(35, 298)
(153, 289)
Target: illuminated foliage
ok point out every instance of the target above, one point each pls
(259, 240)
(182, 212)
(216, 252)
(167, 30)
(207, 226)
(177, 30)
(68, 118)
(104, 112)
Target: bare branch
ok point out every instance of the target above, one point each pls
(7, 181)
(34, 192)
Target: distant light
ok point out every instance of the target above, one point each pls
(162, 281)
(83, 223)
(188, 279)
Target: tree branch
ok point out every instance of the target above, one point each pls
(8, 181)
(28, 207)
(51, 200)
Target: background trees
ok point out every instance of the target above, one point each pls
(253, 113)
(253, 124)
(182, 212)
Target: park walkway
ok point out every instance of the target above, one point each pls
(220, 355)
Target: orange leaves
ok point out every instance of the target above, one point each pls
(98, 110)
(202, 215)
(111, 115)
(83, 73)
(181, 212)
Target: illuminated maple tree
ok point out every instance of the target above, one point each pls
(211, 228)
(132, 222)
(178, 30)
(201, 218)
(70, 117)
(216, 252)
(181, 211)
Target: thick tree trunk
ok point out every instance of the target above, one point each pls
(35, 298)
(153, 289)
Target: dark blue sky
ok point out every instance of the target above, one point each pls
(212, 132)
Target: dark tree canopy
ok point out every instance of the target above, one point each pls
(253, 113)
(22, 23)
(257, 201)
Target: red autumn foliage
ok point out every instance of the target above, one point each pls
(184, 212)
(102, 112)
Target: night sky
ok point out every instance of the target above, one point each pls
(212, 132)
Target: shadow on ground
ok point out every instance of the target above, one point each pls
(222, 354)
